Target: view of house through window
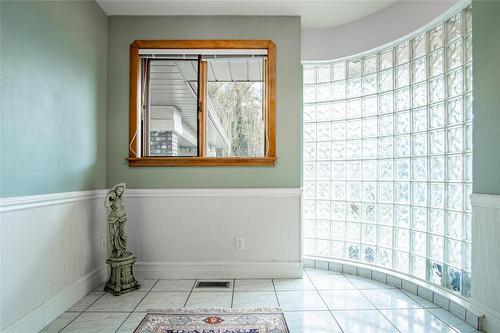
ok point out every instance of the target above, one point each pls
(172, 121)
(388, 156)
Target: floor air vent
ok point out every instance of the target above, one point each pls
(213, 284)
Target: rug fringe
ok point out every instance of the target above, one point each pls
(215, 310)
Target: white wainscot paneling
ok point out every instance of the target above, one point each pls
(51, 255)
(188, 232)
(51, 252)
(485, 292)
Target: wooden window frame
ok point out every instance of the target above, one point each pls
(135, 142)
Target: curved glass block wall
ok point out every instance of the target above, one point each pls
(388, 156)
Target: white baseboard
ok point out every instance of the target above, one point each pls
(215, 270)
(52, 308)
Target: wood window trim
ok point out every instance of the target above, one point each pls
(136, 160)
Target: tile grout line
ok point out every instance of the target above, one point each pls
(276, 294)
(232, 294)
(130, 313)
(453, 329)
(361, 292)
(108, 311)
(190, 292)
(69, 322)
(329, 311)
(377, 309)
(412, 295)
(98, 298)
(428, 310)
(414, 300)
(409, 294)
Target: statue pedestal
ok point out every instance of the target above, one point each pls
(122, 278)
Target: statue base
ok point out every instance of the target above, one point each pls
(122, 278)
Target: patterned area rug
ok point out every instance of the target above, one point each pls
(214, 321)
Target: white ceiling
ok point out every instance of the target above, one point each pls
(315, 14)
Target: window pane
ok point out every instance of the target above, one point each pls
(173, 127)
(235, 112)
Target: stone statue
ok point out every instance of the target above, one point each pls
(116, 221)
(122, 278)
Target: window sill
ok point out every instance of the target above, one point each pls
(200, 161)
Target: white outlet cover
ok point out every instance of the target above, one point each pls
(240, 243)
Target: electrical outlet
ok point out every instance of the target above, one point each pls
(239, 243)
(103, 243)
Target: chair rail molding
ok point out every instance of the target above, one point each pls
(485, 200)
(31, 201)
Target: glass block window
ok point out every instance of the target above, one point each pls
(388, 156)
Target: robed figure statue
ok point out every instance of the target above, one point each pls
(117, 220)
(122, 278)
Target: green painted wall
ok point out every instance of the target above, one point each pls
(53, 97)
(53, 80)
(486, 65)
(284, 31)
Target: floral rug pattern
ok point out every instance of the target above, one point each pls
(215, 321)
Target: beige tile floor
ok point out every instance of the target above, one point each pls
(320, 302)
